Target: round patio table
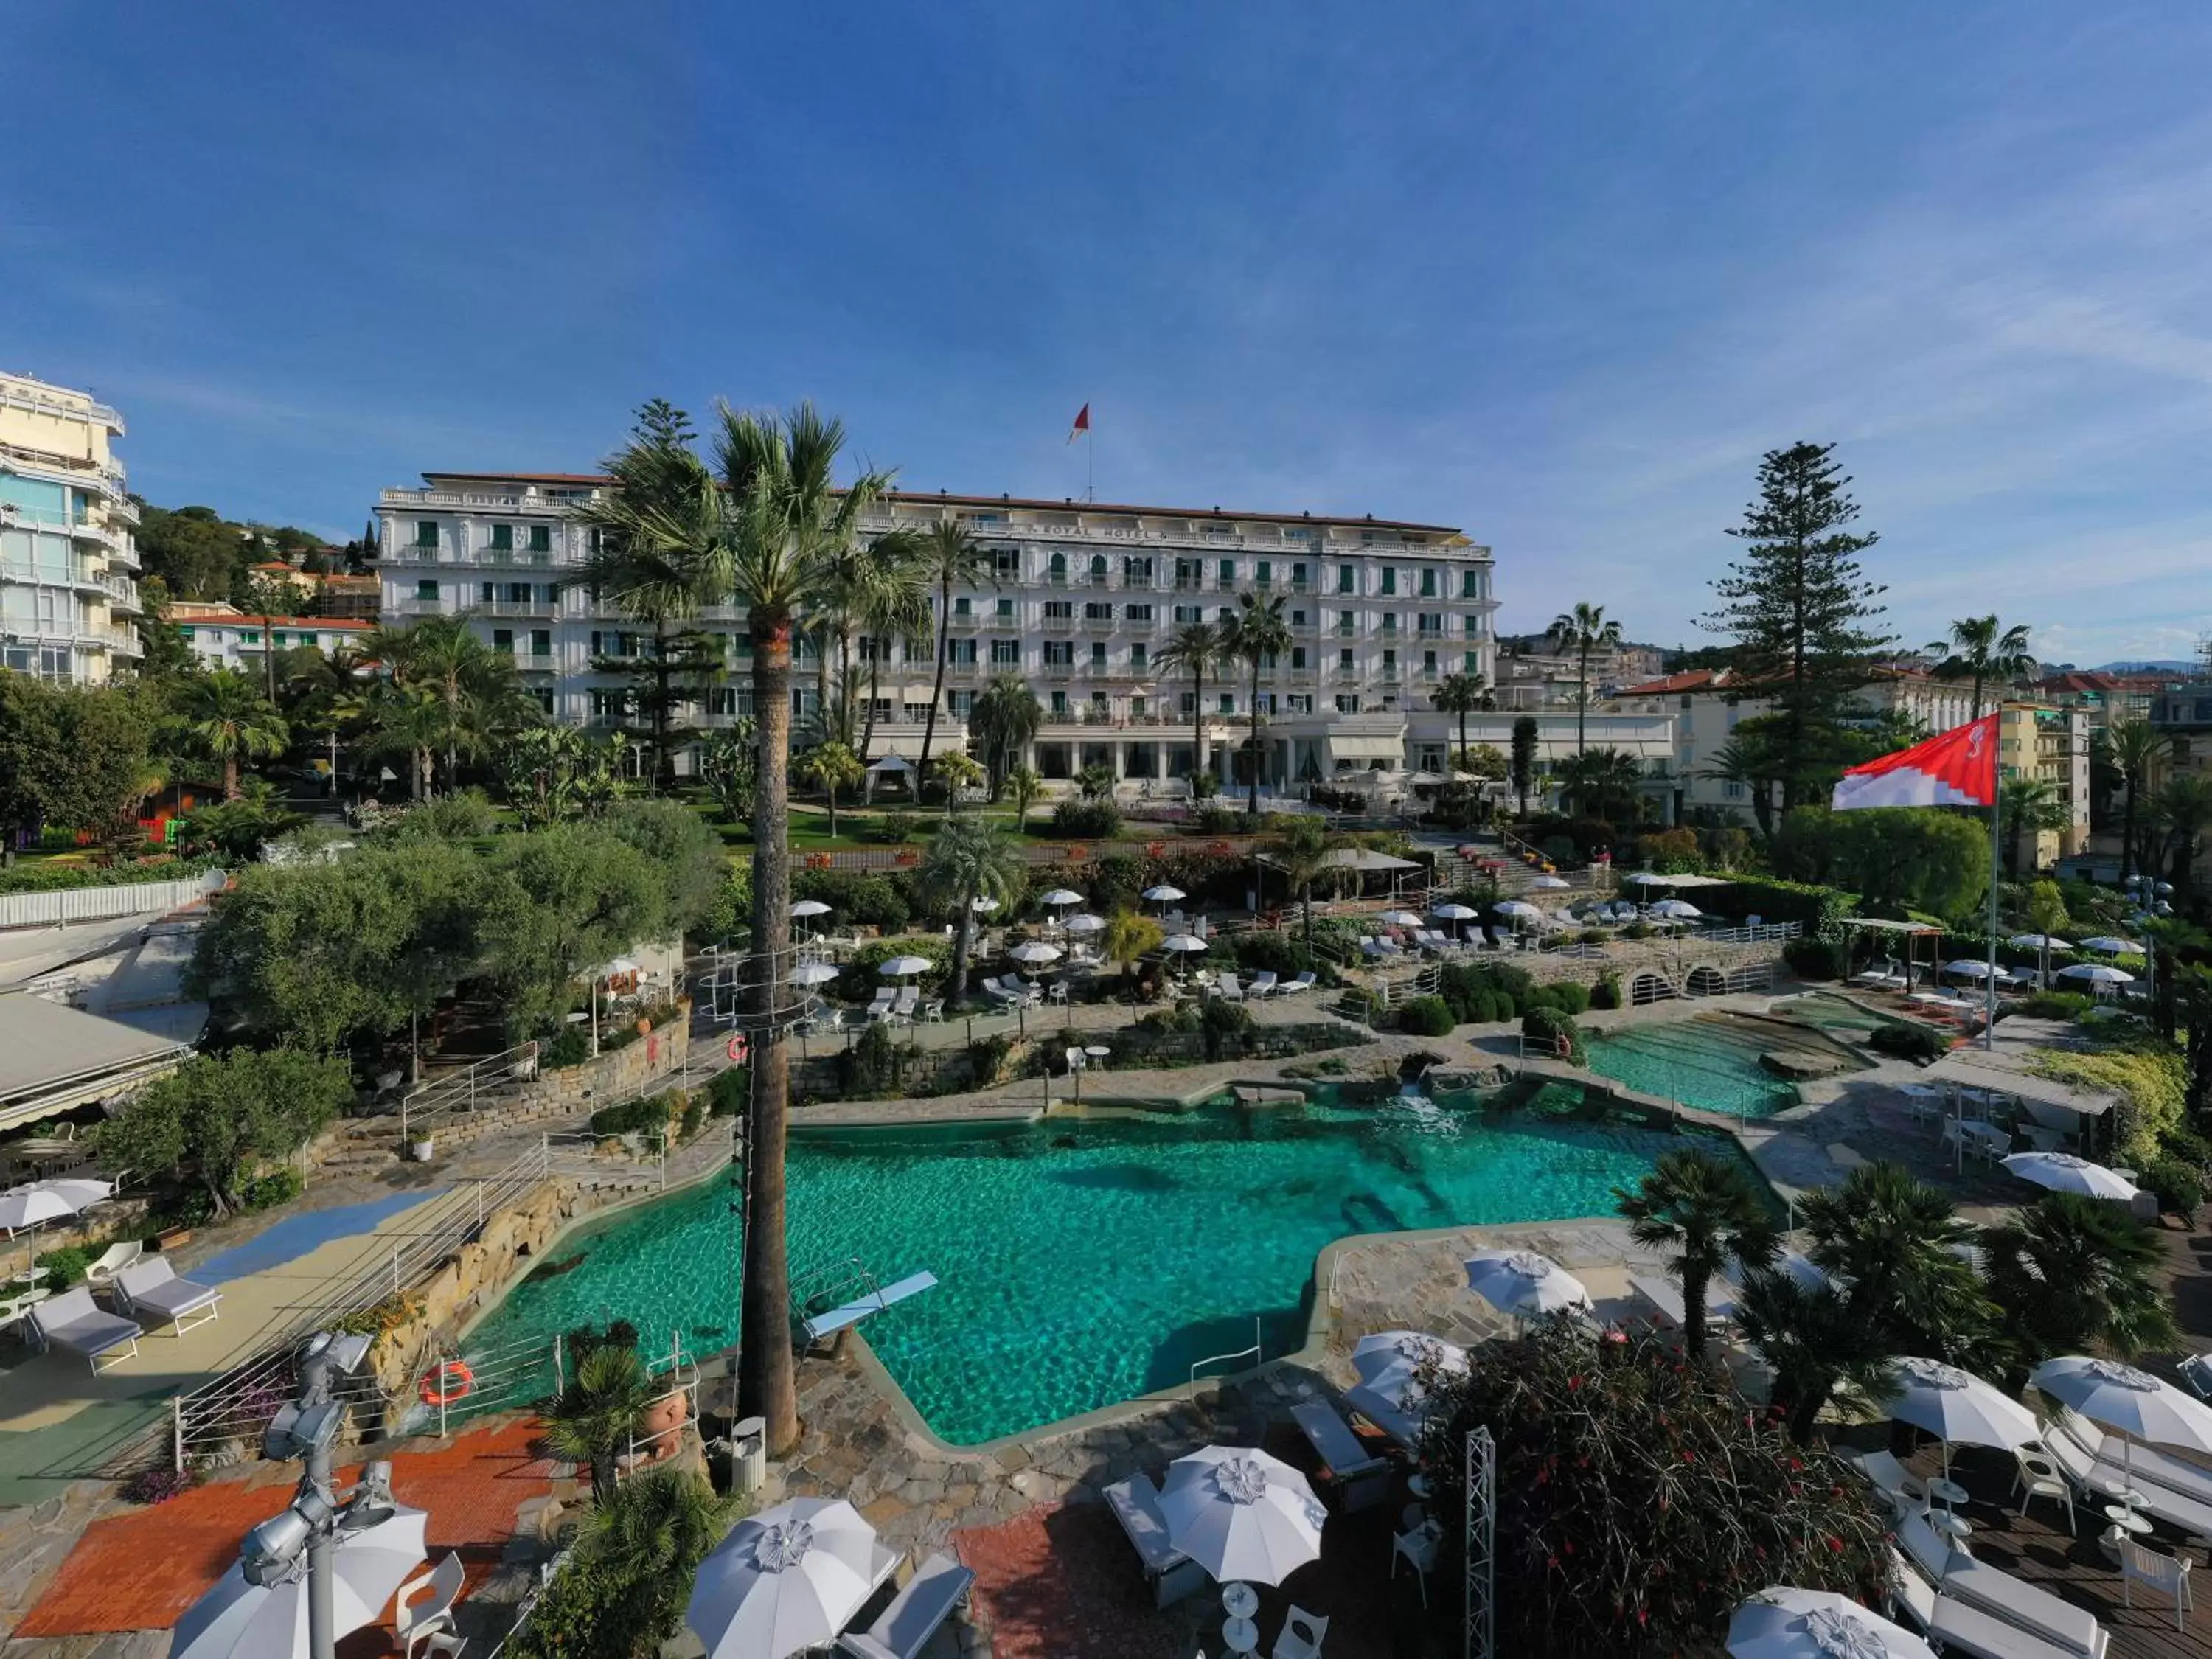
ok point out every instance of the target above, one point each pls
(1240, 1636)
(1239, 1600)
(1097, 1051)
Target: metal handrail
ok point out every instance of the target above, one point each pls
(1215, 1359)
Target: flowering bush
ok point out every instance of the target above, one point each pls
(157, 1485)
(1639, 1500)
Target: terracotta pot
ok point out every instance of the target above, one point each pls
(170, 1237)
(644, 1026)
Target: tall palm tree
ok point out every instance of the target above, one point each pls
(862, 588)
(479, 694)
(406, 721)
(2074, 1274)
(1004, 718)
(1752, 763)
(1196, 649)
(1462, 695)
(1301, 850)
(2136, 748)
(1982, 649)
(1027, 786)
(1582, 630)
(592, 1419)
(786, 517)
(1896, 1243)
(1257, 634)
(225, 719)
(1704, 1211)
(891, 607)
(660, 582)
(1604, 783)
(951, 558)
(2182, 808)
(970, 858)
(2026, 806)
(830, 766)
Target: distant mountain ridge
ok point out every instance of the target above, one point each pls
(2150, 665)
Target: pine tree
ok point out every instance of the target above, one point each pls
(1807, 622)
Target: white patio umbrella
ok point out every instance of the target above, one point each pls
(2037, 942)
(1164, 894)
(236, 1620)
(1454, 912)
(814, 973)
(1242, 1516)
(902, 967)
(1645, 878)
(1680, 909)
(1181, 942)
(1958, 1407)
(42, 1201)
(1391, 1364)
(1063, 896)
(784, 1580)
(810, 907)
(1399, 919)
(1782, 1623)
(2110, 946)
(1520, 909)
(1035, 953)
(1524, 1284)
(2116, 1396)
(2063, 1172)
(1083, 924)
(2096, 973)
(1966, 970)
(1551, 883)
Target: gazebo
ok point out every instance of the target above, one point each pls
(1906, 932)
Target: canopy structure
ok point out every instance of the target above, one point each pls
(1365, 857)
(892, 763)
(1980, 1069)
(1653, 878)
(53, 1057)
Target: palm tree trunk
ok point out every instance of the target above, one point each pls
(1252, 801)
(868, 727)
(937, 691)
(2128, 835)
(766, 1387)
(1197, 726)
(957, 993)
(230, 777)
(1581, 699)
(830, 789)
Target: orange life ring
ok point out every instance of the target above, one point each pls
(446, 1383)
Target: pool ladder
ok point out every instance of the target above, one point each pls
(1216, 1358)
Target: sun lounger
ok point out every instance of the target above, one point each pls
(1957, 1626)
(2143, 1464)
(1364, 1478)
(1667, 1297)
(1227, 986)
(906, 1625)
(2197, 1372)
(909, 999)
(879, 1007)
(73, 1320)
(1369, 949)
(1136, 1504)
(152, 1290)
(1993, 1591)
(1263, 982)
(1887, 1476)
(1304, 981)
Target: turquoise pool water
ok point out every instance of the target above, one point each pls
(1082, 1263)
(1699, 1062)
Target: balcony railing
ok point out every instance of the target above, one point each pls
(1098, 624)
(517, 608)
(1058, 624)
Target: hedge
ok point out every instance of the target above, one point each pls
(50, 878)
(1426, 1017)
(1545, 1028)
(1819, 910)
(1816, 958)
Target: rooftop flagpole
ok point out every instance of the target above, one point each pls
(1997, 793)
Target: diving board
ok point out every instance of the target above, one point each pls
(852, 1313)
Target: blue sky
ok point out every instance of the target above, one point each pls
(1557, 275)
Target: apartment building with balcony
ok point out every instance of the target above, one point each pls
(69, 564)
(223, 636)
(1083, 598)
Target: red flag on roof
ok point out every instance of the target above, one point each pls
(1957, 769)
(1082, 423)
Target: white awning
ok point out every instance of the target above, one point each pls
(1978, 1068)
(1367, 748)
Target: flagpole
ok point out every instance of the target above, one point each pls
(1089, 465)
(1990, 984)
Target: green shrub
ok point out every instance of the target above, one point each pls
(1180, 1019)
(1909, 1040)
(2179, 1186)
(693, 1113)
(1607, 993)
(1594, 935)
(1283, 954)
(986, 1060)
(861, 981)
(872, 1065)
(1549, 1030)
(645, 1113)
(272, 1188)
(59, 878)
(65, 1266)
(1426, 1017)
(182, 1206)
(1638, 930)
(1086, 820)
(1569, 998)
(2056, 1004)
(1215, 819)
(1816, 958)
(730, 1093)
(896, 827)
(1226, 1026)
(1819, 910)
(871, 899)
(2189, 1147)
(569, 1046)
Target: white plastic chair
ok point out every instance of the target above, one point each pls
(2039, 1477)
(415, 1625)
(2167, 1574)
(1301, 1636)
(1417, 1548)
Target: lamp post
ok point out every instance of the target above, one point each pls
(300, 1537)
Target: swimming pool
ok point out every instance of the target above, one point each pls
(1707, 1063)
(1083, 1262)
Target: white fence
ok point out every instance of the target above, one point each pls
(138, 898)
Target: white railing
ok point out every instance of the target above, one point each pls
(462, 1090)
(1254, 1353)
(138, 898)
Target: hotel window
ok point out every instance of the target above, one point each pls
(1343, 660)
(1429, 664)
(1188, 702)
(1098, 611)
(608, 705)
(503, 538)
(544, 694)
(1470, 584)
(426, 590)
(1098, 570)
(1389, 621)
(1227, 613)
(1389, 661)
(487, 592)
(1055, 568)
(426, 533)
(1301, 702)
(1060, 610)
(1298, 576)
(1188, 613)
(1006, 561)
(1297, 656)
(1297, 619)
(921, 649)
(1005, 654)
(1097, 656)
(1190, 573)
(1226, 702)
(1264, 702)
(1101, 708)
(1225, 571)
(1136, 572)
(964, 652)
(722, 700)
(1428, 583)
(1263, 572)
(1138, 659)
(1430, 622)
(963, 607)
(541, 538)
(1346, 623)
(1139, 708)
(1347, 702)
(540, 641)
(518, 593)
(1059, 653)
(1137, 613)
(1005, 610)
(502, 639)
(1347, 580)
(1471, 662)
(1389, 578)
(957, 703)
(1059, 703)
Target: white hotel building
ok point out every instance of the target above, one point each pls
(69, 565)
(1086, 597)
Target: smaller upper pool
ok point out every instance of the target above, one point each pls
(1710, 1064)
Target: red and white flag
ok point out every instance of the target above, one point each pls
(1082, 423)
(1957, 769)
